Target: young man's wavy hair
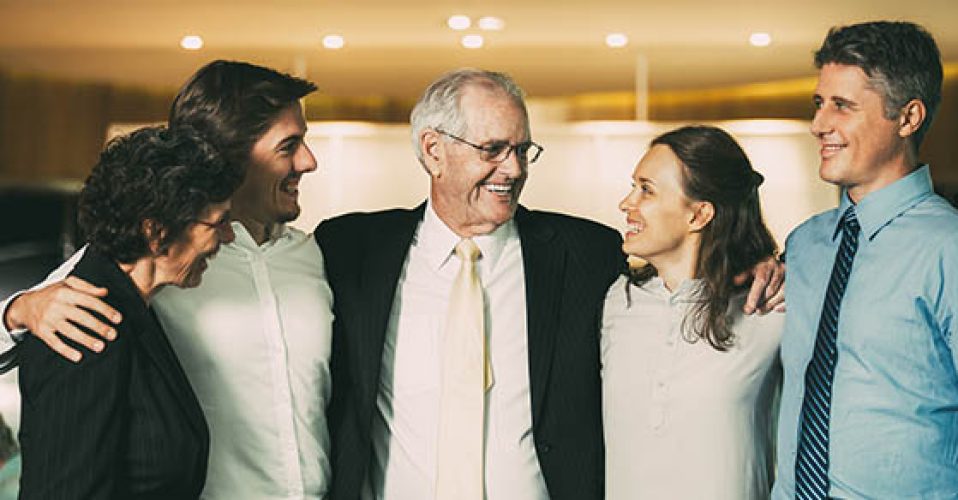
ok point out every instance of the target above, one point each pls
(232, 104)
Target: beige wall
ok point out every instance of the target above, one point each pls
(54, 129)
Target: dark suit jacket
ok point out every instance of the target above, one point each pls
(569, 264)
(122, 424)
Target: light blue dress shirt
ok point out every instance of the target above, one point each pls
(894, 414)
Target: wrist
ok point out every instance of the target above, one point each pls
(11, 319)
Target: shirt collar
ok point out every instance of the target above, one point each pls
(438, 241)
(876, 210)
(244, 240)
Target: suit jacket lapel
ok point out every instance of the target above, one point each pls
(139, 321)
(389, 243)
(158, 348)
(544, 266)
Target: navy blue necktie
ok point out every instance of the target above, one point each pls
(811, 464)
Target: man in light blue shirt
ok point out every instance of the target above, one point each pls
(870, 397)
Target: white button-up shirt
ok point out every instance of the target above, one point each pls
(681, 419)
(254, 340)
(406, 425)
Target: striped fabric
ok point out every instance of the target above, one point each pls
(811, 464)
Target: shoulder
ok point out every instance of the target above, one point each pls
(356, 223)
(569, 224)
(939, 219)
(822, 223)
(584, 236)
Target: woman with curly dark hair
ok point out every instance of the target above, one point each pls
(125, 424)
(688, 380)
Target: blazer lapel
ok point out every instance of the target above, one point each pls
(145, 329)
(157, 347)
(544, 266)
(389, 243)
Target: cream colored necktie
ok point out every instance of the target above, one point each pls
(466, 376)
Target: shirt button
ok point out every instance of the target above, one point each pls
(545, 448)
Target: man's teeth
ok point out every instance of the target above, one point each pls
(499, 188)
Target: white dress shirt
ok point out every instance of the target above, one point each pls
(406, 425)
(681, 419)
(254, 340)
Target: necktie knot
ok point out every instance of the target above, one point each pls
(467, 250)
(850, 221)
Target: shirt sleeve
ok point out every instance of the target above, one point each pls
(9, 338)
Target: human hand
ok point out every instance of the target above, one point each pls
(767, 292)
(63, 307)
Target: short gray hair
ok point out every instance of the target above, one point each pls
(438, 108)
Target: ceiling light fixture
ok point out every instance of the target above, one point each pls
(472, 41)
(191, 42)
(333, 42)
(491, 23)
(459, 22)
(616, 40)
(760, 39)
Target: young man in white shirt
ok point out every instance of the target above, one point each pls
(254, 337)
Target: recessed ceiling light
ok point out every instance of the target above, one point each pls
(616, 40)
(459, 22)
(333, 42)
(491, 23)
(472, 41)
(191, 42)
(760, 39)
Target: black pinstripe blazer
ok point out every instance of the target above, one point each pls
(122, 424)
(569, 264)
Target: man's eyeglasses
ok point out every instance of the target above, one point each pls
(498, 151)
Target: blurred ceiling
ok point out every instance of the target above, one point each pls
(395, 47)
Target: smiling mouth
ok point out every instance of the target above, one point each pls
(829, 150)
(501, 189)
(634, 227)
(290, 186)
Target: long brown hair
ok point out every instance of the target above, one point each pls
(716, 169)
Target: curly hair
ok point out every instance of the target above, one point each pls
(717, 170)
(234, 103)
(901, 60)
(168, 177)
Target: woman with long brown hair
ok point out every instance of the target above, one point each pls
(688, 379)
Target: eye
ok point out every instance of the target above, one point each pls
(817, 102)
(646, 189)
(495, 149)
(289, 147)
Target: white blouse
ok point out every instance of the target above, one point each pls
(682, 419)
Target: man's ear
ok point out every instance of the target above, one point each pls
(913, 114)
(430, 144)
(154, 233)
(702, 214)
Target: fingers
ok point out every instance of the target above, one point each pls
(53, 341)
(83, 286)
(756, 293)
(774, 303)
(65, 308)
(775, 291)
(80, 316)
